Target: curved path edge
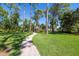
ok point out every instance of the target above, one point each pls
(28, 48)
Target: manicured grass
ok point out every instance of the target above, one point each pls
(12, 41)
(57, 44)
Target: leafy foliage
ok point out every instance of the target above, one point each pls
(12, 41)
(56, 10)
(70, 21)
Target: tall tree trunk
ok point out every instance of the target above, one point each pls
(24, 19)
(52, 29)
(47, 19)
(37, 27)
(30, 17)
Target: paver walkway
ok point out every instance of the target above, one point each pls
(28, 49)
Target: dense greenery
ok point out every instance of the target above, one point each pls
(55, 11)
(12, 42)
(61, 44)
(70, 21)
(11, 33)
(58, 14)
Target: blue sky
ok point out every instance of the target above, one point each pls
(40, 6)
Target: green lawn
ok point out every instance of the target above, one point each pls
(57, 44)
(13, 41)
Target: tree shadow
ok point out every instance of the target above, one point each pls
(58, 33)
(61, 33)
(26, 44)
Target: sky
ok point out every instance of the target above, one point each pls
(40, 6)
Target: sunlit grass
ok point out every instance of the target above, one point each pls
(57, 44)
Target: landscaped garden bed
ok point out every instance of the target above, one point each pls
(11, 42)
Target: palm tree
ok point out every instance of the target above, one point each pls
(10, 7)
(3, 18)
(13, 15)
(32, 7)
(37, 14)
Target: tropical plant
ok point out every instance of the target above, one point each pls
(37, 15)
(32, 7)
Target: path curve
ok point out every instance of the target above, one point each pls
(28, 49)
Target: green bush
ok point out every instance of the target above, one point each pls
(41, 31)
(12, 41)
(2, 46)
(14, 52)
(74, 29)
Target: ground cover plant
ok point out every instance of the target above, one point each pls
(11, 42)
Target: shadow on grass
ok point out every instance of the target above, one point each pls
(63, 33)
(58, 33)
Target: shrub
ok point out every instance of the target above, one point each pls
(2, 46)
(12, 41)
(14, 52)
